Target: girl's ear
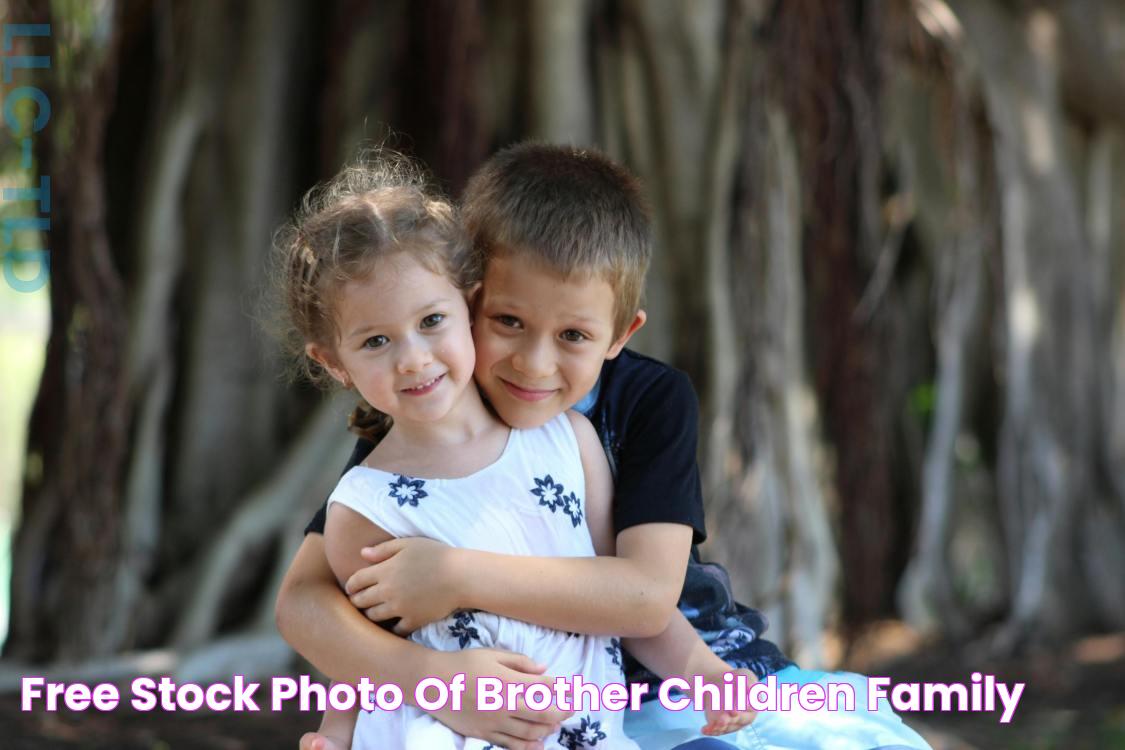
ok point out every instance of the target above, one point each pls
(325, 359)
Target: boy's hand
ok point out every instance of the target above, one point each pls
(413, 579)
(522, 729)
(317, 741)
(725, 722)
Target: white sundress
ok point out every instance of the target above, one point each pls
(530, 501)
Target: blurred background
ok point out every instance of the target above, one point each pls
(890, 254)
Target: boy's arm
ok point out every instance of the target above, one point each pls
(680, 652)
(316, 618)
(633, 593)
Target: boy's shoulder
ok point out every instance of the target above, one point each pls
(637, 379)
(633, 365)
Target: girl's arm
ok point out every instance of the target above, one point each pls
(319, 622)
(316, 618)
(631, 594)
(345, 533)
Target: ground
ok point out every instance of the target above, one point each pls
(1074, 697)
(1075, 700)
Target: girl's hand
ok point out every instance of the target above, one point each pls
(522, 729)
(725, 722)
(335, 731)
(317, 741)
(413, 579)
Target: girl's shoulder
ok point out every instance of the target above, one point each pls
(447, 466)
(560, 424)
(557, 436)
(359, 487)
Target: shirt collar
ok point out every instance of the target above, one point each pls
(585, 405)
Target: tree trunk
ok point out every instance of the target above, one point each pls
(831, 94)
(1047, 477)
(69, 543)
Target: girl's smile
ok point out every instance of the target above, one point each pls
(424, 388)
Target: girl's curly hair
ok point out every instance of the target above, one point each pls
(380, 205)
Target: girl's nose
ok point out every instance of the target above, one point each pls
(414, 357)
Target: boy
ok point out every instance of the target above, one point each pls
(563, 241)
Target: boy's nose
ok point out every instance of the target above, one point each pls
(534, 361)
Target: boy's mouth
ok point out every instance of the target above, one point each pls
(424, 388)
(526, 394)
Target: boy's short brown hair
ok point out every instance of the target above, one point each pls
(573, 209)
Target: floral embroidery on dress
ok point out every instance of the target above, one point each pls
(572, 506)
(586, 736)
(550, 494)
(614, 650)
(408, 491)
(462, 628)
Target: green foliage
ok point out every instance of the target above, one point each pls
(923, 398)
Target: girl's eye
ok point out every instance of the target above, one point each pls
(374, 342)
(508, 321)
(573, 336)
(432, 320)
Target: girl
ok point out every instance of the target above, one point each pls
(374, 283)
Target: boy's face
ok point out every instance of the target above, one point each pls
(541, 340)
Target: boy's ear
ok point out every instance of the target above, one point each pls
(472, 297)
(638, 321)
(324, 358)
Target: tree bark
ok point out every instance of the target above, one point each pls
(831, 95)
(69, 544)
(1048, 481)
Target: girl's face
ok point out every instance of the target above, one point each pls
(405, 341)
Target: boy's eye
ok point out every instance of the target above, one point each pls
(573, 336)
(432, 320)
(374, 342)
(508, 321)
